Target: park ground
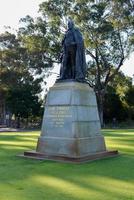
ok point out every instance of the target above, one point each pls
(25, 179)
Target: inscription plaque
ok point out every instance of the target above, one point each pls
(56, 115)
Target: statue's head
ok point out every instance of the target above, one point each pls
(70, 23)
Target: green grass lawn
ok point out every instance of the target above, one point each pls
(107, 179)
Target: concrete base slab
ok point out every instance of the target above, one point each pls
(87, 158)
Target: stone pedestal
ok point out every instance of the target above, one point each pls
(71, 126)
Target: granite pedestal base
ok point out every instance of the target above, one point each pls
(82, 159)
(71, 126)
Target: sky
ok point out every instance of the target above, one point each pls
(12, 10)
(128, 66)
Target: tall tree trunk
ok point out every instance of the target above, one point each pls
(18, 121)
(4, 111)
(100, 101)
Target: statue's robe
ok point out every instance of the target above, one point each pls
(73, 40)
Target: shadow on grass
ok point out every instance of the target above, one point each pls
(24, 179)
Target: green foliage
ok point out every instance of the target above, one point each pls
(21, 90)
(23, 100)
(108, 31)
(107, 27)
(129, 97)
(118, 101)
(121, 84)
(41, 43)
(129, 100)
(113, 106)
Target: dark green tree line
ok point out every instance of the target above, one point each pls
(117, 99)
(19, 90)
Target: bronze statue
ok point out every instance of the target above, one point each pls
(73, 64)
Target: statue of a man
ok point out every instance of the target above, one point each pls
(73, 64)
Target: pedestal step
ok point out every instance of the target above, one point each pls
(86, 158)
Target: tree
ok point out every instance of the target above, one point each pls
(107, 41)
(3, 92)
(21, 90)
(107, 27)
(41, 44)
(113, 106)
(121, 84)
(23, 100)
(129, 99)
(118, 101)
(124, 13)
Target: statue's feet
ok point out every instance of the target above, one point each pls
(80, 79)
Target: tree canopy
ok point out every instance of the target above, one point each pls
(18, 88)
(108, 29)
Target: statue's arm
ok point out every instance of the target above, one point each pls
(63, 40)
